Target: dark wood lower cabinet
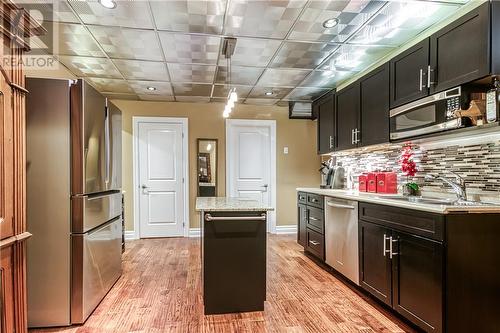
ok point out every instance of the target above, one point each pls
(417, 283)
(302, 225)
(375, 265)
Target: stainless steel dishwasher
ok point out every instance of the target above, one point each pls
(341, 237)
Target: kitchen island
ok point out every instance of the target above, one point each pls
(233, 235)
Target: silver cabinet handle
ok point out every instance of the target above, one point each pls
(313, 218)
(209, 218)
(385, 244)
(429, 82)
(421, 82)
(331, 142)
(352, 136)
(314, 242)
(391, 253)
(336, 205)
(356, 135)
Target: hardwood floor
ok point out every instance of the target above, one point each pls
(160, 291)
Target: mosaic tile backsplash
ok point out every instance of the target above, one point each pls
(478, 164)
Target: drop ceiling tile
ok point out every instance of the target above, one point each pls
(274, 77)
(306, 94)
(71, 39)
(189, 15)
(142, 70)
(282, 103)
(302, 55)
(110, 85)
(278, 93)
(130, 97)
(88, 66)
(159, 98)
(262, 18)
(191, 73)
(239, 75)
(326, 79)
(185, 89)
(128, 43)
(141, 88)
(354, 57)
(350, 14)
(184, 48)
(192, 99)
(400, 21)
(261, 101)
(252, 52)
(222, 91)
(49, 10)
(132, 14)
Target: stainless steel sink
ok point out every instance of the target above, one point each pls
(435, 201)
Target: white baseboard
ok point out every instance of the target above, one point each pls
(130, 235)
(286, 229)
(194, 232)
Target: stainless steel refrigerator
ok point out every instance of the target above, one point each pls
(73, 200)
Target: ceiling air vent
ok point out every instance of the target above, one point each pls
(300, 110)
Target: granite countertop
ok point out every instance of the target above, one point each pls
(227, 204)
(384, 199)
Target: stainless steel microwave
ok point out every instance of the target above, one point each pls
(431, 114)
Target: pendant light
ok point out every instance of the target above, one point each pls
(232, 97)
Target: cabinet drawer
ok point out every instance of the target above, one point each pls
(316, 244)
(315, 219)
(315, 200)
(415, 222)
(302, 198)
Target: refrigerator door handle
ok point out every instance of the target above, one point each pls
(106, 142)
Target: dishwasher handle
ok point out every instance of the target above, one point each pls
(337, 205)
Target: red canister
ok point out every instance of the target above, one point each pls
(362, 183)
(387, 182)
(371, 182)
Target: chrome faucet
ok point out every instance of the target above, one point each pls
(458, 186)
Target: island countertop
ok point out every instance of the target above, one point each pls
(227, 204)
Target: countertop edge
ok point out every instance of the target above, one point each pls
(377, 198)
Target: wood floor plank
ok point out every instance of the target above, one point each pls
(160, 291)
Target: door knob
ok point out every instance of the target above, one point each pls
(144, 189)
(265, 186)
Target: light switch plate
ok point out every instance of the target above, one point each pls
(285, 150)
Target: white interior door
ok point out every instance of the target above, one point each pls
(161, 197)
(250, 159)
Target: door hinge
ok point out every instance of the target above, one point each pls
(183, 180)
(183, 135)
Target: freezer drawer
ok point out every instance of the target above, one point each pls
(96, 266)
(89, 212)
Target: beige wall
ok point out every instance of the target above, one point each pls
(298, 168)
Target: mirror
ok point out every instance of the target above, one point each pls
(207, 167)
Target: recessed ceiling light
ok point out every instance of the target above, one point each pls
(330, 23)
(151, 88)
(269, 93)
(109, 4)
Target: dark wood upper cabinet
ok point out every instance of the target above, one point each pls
(374, 106)
(324, 108)
(347, 117)
(374, 267)
(409, 74)
(417, 267)
(460, 52)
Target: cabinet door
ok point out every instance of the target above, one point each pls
(302, 227)
(6, 161)
(374, 107)
(418, 280)
(347, 116)
(409, 74)
(325, 107)
(460, 52)
(374, 263)
(6, 291)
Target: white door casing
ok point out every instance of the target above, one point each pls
(160, 186)
(251, 161)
